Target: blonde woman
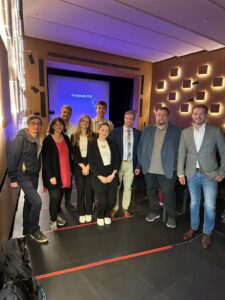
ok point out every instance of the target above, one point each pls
(80, 140)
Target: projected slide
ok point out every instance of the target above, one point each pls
(82, 94)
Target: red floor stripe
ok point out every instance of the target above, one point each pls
(86, 224)
(103, 262)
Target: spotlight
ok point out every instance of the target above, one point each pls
(31, 58)
(34, 89)
(51, 112)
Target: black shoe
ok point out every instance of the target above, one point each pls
(25, 232)
(39, 237)
(70, 207)
(171, 223)
(152, 216)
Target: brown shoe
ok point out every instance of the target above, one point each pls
(113, 214)
(126, 213)
(190, 234)
(206, 241)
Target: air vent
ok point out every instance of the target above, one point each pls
(92, 61)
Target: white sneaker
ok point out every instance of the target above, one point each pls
(88, 218)
(53, 225)
(100, 222)
(107, 221)
(82, 219)
(61, 221)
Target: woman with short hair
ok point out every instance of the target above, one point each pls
(104, 164)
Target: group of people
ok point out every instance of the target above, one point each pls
(101, 157)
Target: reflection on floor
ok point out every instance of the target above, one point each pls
(129, 259)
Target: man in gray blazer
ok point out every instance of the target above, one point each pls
(197, 161)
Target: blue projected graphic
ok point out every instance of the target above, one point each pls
(82, 94)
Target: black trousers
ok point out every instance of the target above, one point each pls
(67, 192)
(156, 182)
(55, 197)
(106, 199)
(85, 193)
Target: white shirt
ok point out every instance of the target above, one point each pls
(83, 145)
(125, 142)
(70, 129)
(198, 138)
(105, 152)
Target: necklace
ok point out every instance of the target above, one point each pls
(102, 144)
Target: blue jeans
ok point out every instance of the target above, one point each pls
(32, 203)
(210, 186)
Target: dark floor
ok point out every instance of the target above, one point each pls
(186, 271)
(116, 262)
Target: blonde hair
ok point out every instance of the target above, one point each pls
(75, 138)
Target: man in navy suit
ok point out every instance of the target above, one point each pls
(126, 139)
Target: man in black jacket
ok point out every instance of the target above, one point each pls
(23, 170)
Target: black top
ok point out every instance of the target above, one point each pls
(77, 158)
(51, 164)
(96, 162)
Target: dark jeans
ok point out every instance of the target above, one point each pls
(106, 200)
(32, 203)
(85, 193)
(55, 197)
(156, 182)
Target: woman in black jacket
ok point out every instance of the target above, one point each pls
(104, 164)
(85, 197)
(56, 168)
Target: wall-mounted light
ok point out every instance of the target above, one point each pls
(200, 95)
(218, 82)
(172, 96)
(30, 56)
(203, 70)
(184, 108)
(215, 108)
(34, 89)
(160, 85)
(186, 83)
(174, 72)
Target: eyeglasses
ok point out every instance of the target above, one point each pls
(35, 124)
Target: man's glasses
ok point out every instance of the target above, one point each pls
(35, 124)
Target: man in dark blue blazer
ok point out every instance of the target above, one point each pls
(126, 139)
